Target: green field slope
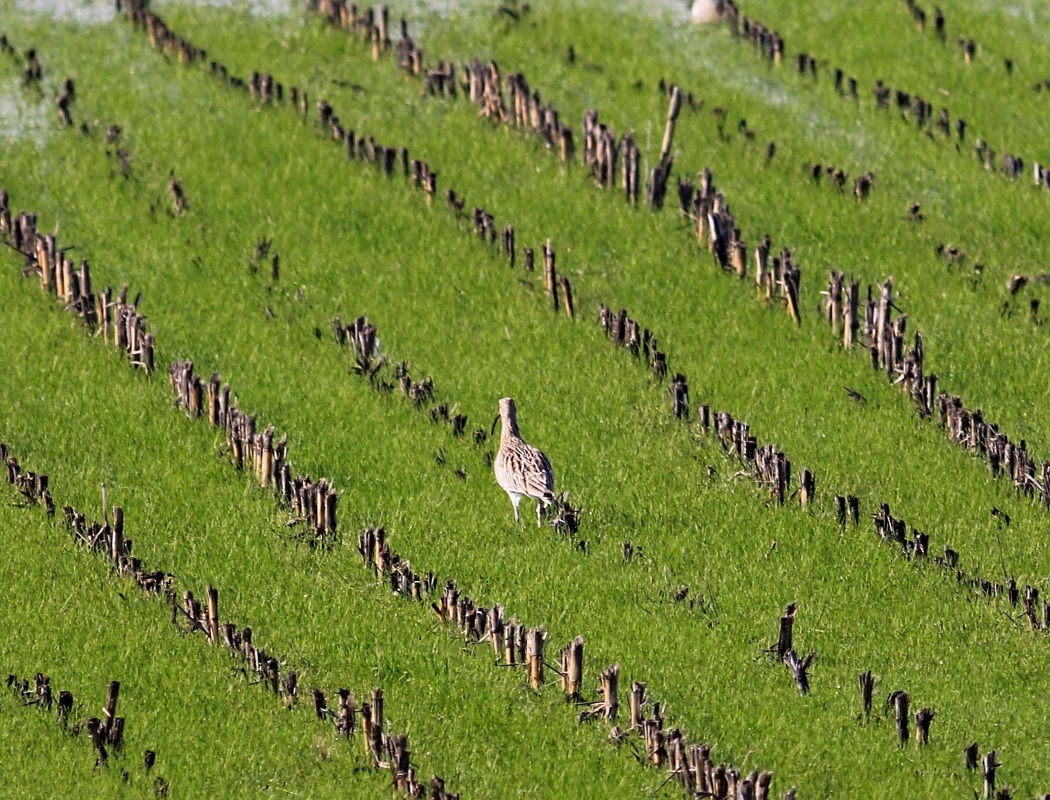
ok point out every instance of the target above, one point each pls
(694, 612)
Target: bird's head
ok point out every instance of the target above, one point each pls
(508, 413)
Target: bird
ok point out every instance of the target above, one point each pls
(855, 395)
(521, 469)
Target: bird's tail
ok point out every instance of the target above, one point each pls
(548, 499)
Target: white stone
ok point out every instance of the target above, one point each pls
(704, 12)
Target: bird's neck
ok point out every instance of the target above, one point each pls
(509, 427)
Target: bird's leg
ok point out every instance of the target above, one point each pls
(515, 499)
(539, 513)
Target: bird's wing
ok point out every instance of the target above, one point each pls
(540, 473)
(523, 468)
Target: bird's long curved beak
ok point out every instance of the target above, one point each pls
(493, 430)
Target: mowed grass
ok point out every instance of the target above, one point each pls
(320, 612)
(352, 242)
(622, 259)
(213, 733)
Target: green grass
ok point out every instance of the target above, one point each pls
(351, 242)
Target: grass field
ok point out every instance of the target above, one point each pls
(352, 241)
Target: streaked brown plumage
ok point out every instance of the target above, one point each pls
(521, 469)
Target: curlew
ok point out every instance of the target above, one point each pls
(521, 469)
